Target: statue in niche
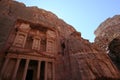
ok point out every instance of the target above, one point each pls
(19, 40)
(51, 34)
(21, 34)
(36, 44)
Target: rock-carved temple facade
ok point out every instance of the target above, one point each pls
(36, 45)
(32, 52)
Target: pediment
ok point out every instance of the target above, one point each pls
(40, 54)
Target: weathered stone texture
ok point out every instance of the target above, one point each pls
(91, 62)
(108, 37)
(5, 21)
(36, 42)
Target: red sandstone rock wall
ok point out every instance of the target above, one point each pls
(108, 37)
(6, 24)
(84, 61)
(107, 31)
(92, 63)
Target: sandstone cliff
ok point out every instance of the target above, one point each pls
(108, 37)
(75, 58)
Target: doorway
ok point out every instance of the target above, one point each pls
(114, 51)
(42, 70)
(29, 75)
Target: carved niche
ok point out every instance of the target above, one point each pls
(36, 41)
(51, 41)
(21, 35)
(30, 37)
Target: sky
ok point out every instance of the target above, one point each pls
(84, 15)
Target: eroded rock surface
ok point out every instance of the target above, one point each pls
(108, 38)
(36, 45)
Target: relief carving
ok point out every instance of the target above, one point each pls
(51, 41)
(51, 34)
(20, 39)
(36, 44)
(25, 27)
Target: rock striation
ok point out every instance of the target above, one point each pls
(36, 45)
(108, 38)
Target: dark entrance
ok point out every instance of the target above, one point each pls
(114, 51)
(29, 74)
(42, 70)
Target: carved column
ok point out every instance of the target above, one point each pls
(38, 70)
(16, 69)
(20, 39)
(46, 67)
(25, 69)
(4, 66)
(16, 38)
(53, 67)
(36, 43)
(51, 36)
(24, 42)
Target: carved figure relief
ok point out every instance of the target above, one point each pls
(36, 44)
(19, 40)
(51, 41)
